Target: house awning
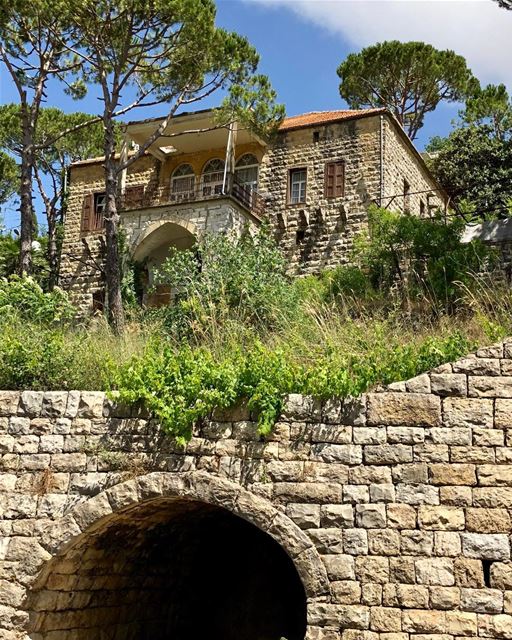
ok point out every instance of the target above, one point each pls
(187, 133)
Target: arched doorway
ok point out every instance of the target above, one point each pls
(212, 177)
(170, 568)
(182, 188)
(152, 249)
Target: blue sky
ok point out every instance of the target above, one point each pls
(301, 58)
(301, 43)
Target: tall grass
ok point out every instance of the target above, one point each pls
(242, 328)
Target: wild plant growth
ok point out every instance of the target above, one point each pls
(240, 328)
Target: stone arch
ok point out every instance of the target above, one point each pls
(160, 232)
(151, 248)
(68, 535)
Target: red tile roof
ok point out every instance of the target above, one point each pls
(325, 117)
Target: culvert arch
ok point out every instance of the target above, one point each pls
(385, 503)
(174, 555)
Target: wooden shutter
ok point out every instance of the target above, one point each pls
(133, 196)
(339, 180)
(87, 212)
(334, 179)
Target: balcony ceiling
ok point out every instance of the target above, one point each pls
(186, 134)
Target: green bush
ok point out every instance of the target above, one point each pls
(183, 385)
(178, 386)
(9, 258)
(24, 298)
(52, 356)
(32, 357)
(227, 277)
(348, 283)
(418, 257)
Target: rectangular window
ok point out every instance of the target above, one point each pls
(300, 235)
(297, 186)
(334, 179)
(422, 209)
(93, 209)
(100, 200)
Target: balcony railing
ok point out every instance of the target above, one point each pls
(142, 198)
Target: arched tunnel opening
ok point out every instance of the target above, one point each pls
(165, 569)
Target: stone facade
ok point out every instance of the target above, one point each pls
(379, 160)
(385, 517)
(82, 271)
(378, 157)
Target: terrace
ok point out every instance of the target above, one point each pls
(200, 160)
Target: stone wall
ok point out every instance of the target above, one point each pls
(329, 225)
(394, 508)
(403, 162)
(82, 260)
(326, 226)
(82, 264)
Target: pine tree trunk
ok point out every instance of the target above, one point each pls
(26, 210)
(112, 266)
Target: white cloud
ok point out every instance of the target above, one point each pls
(477, 29)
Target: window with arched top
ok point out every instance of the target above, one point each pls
(183, 182)
(213, 177)
(246, 171)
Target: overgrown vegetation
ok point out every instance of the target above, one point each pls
(239, 328)
(421, 260)
(221, 280)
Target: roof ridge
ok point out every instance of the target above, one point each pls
(307, 113)
(318, 118)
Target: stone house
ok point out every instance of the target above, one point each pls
(313, 183)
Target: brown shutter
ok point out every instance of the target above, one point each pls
(339, 179)
(329, 180)
(334, 179)
(133, 196)
(87, 211)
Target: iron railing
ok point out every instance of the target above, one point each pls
(145, 197)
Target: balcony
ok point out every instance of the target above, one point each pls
(140, 197)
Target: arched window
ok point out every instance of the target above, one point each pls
(182, 183)
(213, 177)
(246, 171)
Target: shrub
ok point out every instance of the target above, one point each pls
(223, 276)
(25, 299)
(32, 357)
(419, 256)
(349, 280)
(349, 283)
(183, 385)
(10, 253)
(178, 386)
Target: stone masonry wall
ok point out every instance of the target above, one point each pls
(81, 270)
(328, 225)
(401, 163)
(82, 261)
(394, 507)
